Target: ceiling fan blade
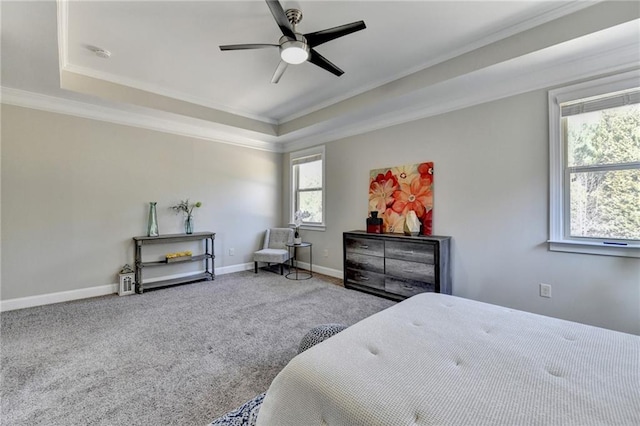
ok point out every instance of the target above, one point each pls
(246, 46)
(282, 66)
(319, 60)
(319, 37)
(281, 18)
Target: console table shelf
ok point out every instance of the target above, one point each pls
(176, 262)
(202, 276)
(207, 257)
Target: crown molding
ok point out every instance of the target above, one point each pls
(496, 82)
(493, 83)
(63, 36)
(558, 12)
(139, 117)
(65, 65)
(599, 53)
(162, 91)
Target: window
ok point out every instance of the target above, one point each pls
(595, 167)
(307, 183)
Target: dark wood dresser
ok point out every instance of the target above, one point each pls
(396, 266)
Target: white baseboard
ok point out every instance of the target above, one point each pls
(62, 296)
(234, 268)
(323, 270)
(303, 265)
(103, 290)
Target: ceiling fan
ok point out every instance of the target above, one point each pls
(296, 48)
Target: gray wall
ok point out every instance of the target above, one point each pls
(491, 196)
(75, 191)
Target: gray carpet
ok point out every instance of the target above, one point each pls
(182, 355)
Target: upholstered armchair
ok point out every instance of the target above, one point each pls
(274, 249)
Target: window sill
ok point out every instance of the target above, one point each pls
(320, 228)
(588, 247)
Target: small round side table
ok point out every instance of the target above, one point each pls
(296, 273)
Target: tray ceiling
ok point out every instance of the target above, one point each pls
(165, 56)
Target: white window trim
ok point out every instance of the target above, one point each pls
(318, 150)
(558, 241)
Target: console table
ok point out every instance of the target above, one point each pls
(207, 257)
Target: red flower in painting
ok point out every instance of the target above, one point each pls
(417, 197)
(381, 191)
(384, 179)
(427, 223)
(426, 173)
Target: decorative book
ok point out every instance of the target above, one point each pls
(178, 257)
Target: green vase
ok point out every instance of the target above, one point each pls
(188, 225)
(152, 228)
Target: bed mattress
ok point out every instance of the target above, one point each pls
(436, 359)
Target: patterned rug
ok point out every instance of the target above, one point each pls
(244, 415)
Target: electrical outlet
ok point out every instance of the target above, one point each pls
(232, 251)
(545, 290)
(325, 253)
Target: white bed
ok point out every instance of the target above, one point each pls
(438, 359)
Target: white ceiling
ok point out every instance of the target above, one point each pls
(170, 48)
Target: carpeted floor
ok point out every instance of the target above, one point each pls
(182, 355)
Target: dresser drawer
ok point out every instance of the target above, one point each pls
(414, 252)
(410, 270)
(406, 288)
(364, 246)
(365, 262)
(366, 278)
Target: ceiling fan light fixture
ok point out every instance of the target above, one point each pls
(296, 48)
(294, 52)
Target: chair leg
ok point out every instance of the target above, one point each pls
(281, 269)
(255, 267)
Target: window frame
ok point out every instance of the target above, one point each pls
(293, 185)
(559, 210)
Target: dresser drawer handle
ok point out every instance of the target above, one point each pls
(364, 247)
(407, 286)
(363, 278)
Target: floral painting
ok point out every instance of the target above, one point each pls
(394, 191)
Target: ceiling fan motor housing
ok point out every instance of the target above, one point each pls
(294, 16)
(294, 51)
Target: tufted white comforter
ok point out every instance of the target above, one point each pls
(435, 359)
